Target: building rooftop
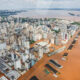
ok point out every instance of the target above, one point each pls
(42, 43)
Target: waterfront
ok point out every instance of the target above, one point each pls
(62, 14)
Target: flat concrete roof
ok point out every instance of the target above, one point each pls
(42, 43)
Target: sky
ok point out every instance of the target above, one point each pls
(24, 4)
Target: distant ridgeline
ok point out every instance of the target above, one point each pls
(6, 13)
(72, 14)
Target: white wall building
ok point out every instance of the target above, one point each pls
(44, 35)
(40, 53)
(24, 57)
(52, 41)
(17, 64)
(37, 37)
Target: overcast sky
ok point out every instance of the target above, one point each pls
(24, 4)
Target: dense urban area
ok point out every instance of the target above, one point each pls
(29, 47)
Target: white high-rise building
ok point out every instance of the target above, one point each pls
(17, 64)
(12, 56)
(27, 45)
(45, 35)
(37, 37)
(52, 41)
(27, 51)
(40, 53)
(27, 64)
(24, 57)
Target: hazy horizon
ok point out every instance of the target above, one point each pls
(28, 4)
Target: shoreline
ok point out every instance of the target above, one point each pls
(61, 14)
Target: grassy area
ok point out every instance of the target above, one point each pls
(76, 23)
(56, 31)
(32, 41)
